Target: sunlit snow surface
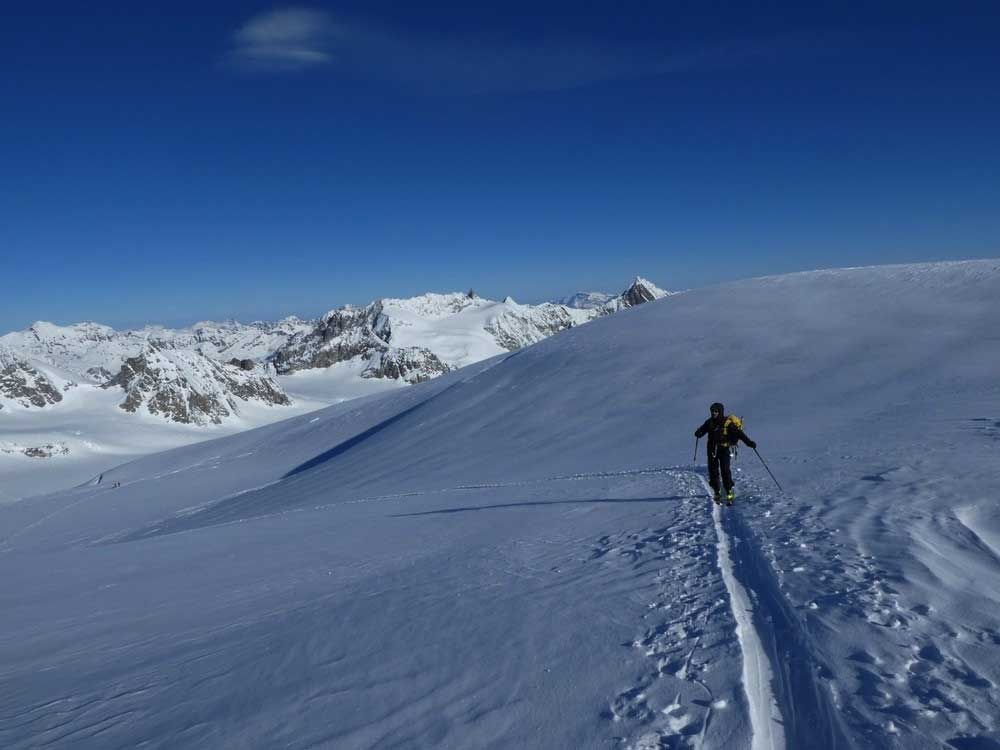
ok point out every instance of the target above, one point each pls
(522, 554)
(97, 434)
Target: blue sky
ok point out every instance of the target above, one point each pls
(190, 161)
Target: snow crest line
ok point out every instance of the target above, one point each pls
(238, 507)
(765, 715)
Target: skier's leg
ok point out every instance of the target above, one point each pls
(713, 471)
(727, 474)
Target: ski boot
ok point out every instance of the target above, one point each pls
(730, 496)
(717, 497)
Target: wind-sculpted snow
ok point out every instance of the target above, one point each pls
(519, 553)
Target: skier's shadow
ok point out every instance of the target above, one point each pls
(526, 504)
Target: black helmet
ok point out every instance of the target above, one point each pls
(717, 407)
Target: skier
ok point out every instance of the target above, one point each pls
(723, 432)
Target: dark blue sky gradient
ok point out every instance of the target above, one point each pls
(147, 177)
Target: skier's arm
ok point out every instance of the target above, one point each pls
(700, 432)
(743, 436)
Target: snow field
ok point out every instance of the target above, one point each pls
(518, 555)
(327, 645)
(98, 435)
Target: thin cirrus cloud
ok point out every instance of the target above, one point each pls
(285, 40)
(298, 39)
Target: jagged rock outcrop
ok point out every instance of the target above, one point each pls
(517, 326)
(190, 388)
(100, 374)
(639, 292)
(23, 384)
(243, 364)
(46, 450)
(414, 365)
(343, 334)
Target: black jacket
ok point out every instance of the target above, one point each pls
(716, 437)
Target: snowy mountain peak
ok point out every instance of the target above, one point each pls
(190, 388)
(420, 337)
(86, 329)
(643, 290)
(44, 335)
(433, 306)
(586, 300)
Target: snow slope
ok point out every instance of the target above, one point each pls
(521, 553)
(91, 433)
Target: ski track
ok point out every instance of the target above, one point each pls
(758, 674)
(784, 680)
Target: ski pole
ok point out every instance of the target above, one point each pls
(695, 459)
(768, 469)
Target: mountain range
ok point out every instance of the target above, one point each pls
(201, 374)
(61, 387)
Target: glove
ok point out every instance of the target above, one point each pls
(752, 444)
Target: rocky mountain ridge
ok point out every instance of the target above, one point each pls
(202, 374)
(93, 353)
(22, 383)
(190, 388)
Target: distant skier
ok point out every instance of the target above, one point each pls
(723, 432)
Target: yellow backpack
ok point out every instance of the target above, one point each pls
(730, 439)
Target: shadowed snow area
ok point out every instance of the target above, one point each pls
(522, 554)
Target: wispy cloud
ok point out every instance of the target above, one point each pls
(298, 38)
(283, 40)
